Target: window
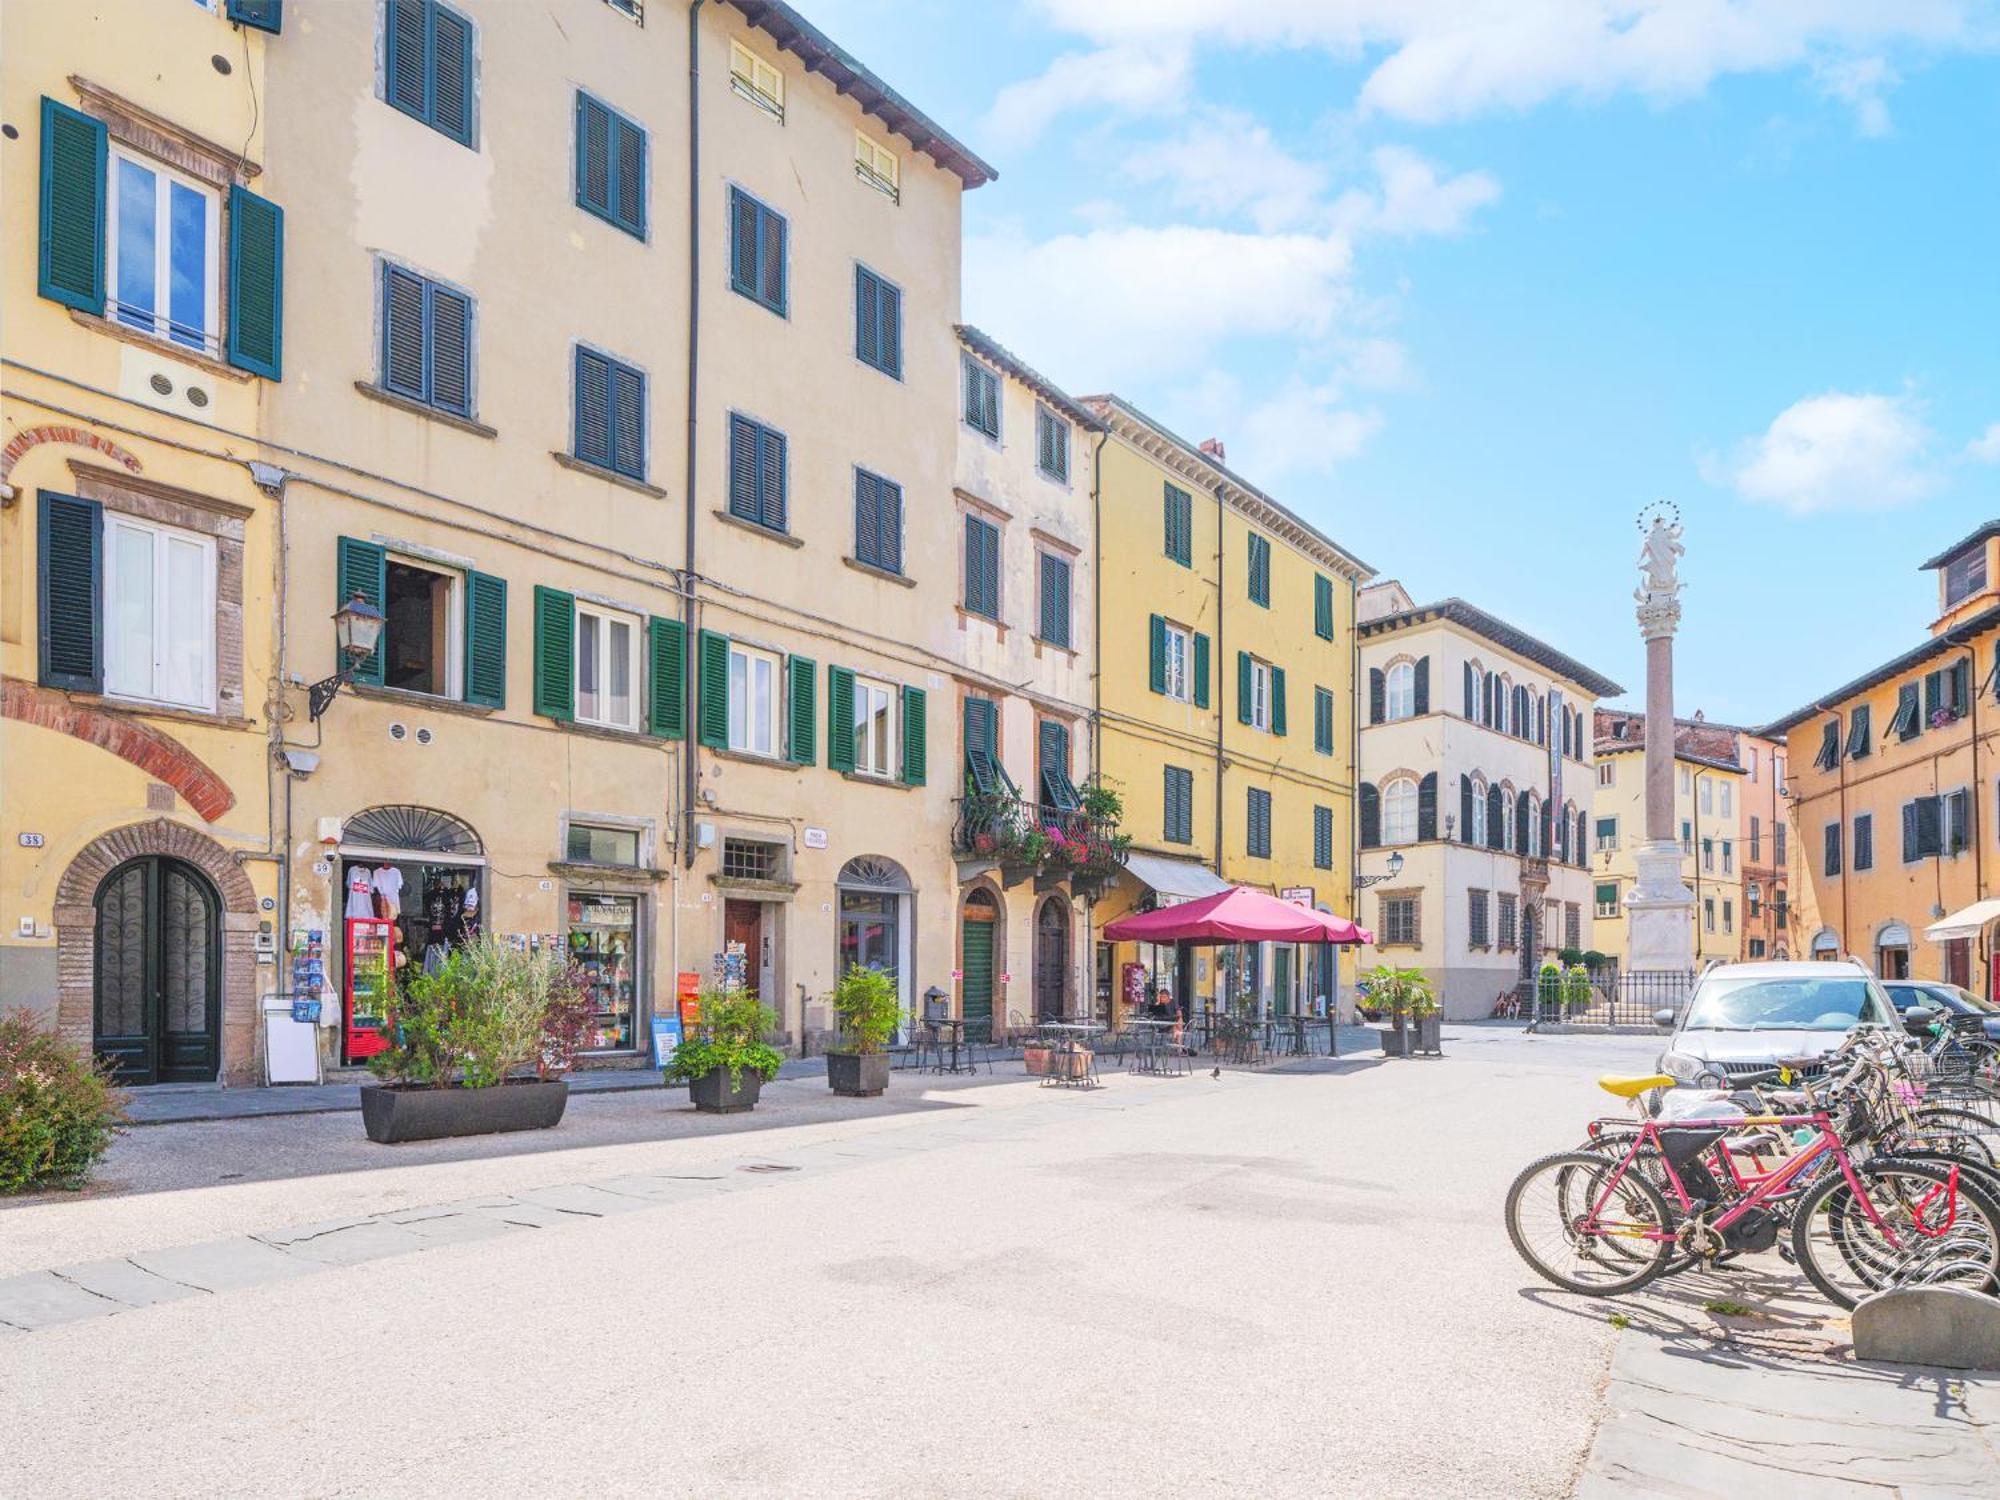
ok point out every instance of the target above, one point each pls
(1322, 606)
(1908, 723)
(1322, 721)
(1572, 925)
(1778, 834)
(1707, 796)
(1532, 835)
(1509, 922)
(1260, 570)
(1257, 837)
(1831, 863)
(610, 165)
(420, 628)
(1052, 742)
(875, 164)
(878, 322)
(1178, 825)
(1179, 517)
(1322, 838)
(1756, 840)
(634, 9)
(874, 728)
(1728, 916)
(427, 341)
(757, 267)
(1864, 842)
(757, 478)
(590, 844)
(1399, 812)
(1607, 899)
(607, 690)
(1957, 821)
(982, 567)
(1402, 691)
(982, 397)
(1607, 773)
(1728, 856)
(1753, 901)
(1829, 745)
(1858, 744)
(1478, 824)
(878, 522)
(1687, 836)
(1686, 782)
(1477, 910)
(1051, 444)
(1507, 830)
(1964, 576)
(159, 613)
(1725, 799)
(160, 231)
(751, 859)
(1708, 913)
(1607, 834)
(1708, 854)
(1399, 921)
(427, 66)
(610, 414)
(753, 700)
(756, 80)
(1177, 663)
(1750, 759)
(1054, 613)
(1756, 947)
(1260, 694)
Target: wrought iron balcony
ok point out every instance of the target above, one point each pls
(1027, 838)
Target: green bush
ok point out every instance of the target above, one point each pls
(1549, 984)
(58, 1109)
(1400, 992)
(491, 1012)
(1576, 987)
(868, 1009)
(728, 1033)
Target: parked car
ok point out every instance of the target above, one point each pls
(1949, 998)
(1743, 1018)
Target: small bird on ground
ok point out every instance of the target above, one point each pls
(1215, 1072)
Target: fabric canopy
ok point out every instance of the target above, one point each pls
(1180, 879)
(1964, 923)
(1237, 915)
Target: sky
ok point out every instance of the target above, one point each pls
(1468, 283)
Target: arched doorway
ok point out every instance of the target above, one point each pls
(873, 927)
(1892, 951)
(157, 990)
(1051, 959)
(978, 950)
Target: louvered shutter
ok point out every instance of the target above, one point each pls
(1470, 690)
(593, 155)
(361, 568)
(1548, 814)
(486, 640)
(981, 773)
(73, 208)
(1200, 670)
(1427, 807)
(405, 61)
(1423, 685)
(1323, 606)
(712, 689)
(1371, 816)
(771, 506)
(1055, 599)
(1054, 757)
(839, 718)
(1377, 695)
(1465, 795)
(628, 421)
(1323, 837)
(1858, 743)
(593, 408)
(1492, 691)
(1156, 653)
(555, 654)
(867, 317)
(256, 283)
(451, 61)
(889, 318)
(1277, 700)
(772, 231)
(975, 964)
(1521, 828)
(1930, 839)
(262, 15)
(742, 469)
(1829, 746)
(801, 711)
(1245, 692)
(628, 204)
(69, 574)
(666, 671)
(1911, 845)
(403, 340)
(1832, 855)
(451, 350)
(742, 243)
(1496, 818)
(915, 731)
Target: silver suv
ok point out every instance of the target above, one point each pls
(1744, 1018)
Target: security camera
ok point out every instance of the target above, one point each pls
(301, 762)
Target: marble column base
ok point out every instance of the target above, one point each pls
(1659, 912)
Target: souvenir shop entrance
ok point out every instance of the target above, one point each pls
(412, 882)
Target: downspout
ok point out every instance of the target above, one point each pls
(1221, 656)
(1096, 704)
(690, 755)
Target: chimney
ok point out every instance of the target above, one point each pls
(1214, 449)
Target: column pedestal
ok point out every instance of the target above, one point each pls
(1660, 912)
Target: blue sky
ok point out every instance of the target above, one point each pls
(1468, 282)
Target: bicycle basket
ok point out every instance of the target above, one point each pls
(1858, 1123)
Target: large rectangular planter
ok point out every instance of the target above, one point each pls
(1395, 1041)
(1429, 1037)
(712, 1094)
(396, 1112)
(1035, 1056)
(857, 1075)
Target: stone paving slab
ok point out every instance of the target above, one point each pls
(460, 1229)
(582, 1198)
(350, 1244)
(121, 1280)
(42, 1299)
(223, 1265)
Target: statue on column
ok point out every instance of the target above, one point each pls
(1659, 560)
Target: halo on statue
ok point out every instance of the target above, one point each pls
(1658, 510)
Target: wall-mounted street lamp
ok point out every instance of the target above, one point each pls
(357, 626)
(1362, 882)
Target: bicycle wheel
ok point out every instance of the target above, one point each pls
(1914, 1223)
(1557, 1226)
(1951, 1132)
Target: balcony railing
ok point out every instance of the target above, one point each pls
(1027, 838)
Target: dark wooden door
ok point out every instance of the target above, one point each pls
(158, 985)
(1051, 960)
(743, 922)
(975, 964)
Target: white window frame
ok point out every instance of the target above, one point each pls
(1603, 842)
(864, 727)
(1607, 773)
(1687, 781)
(641, 831)
(1180, 671)
(1728, 799)
(746, 77)
(1399, 692)
(1260, 695)
(204, 699)
(1599, 908)
(454, 621)
(211, 321)
(1533, 837)
(1478, 829)
(1399, 811)
(601, 618)
(741, 705)
(1707, 795)
(870, 155)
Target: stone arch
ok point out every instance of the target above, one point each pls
(152, 750)
(76, 931)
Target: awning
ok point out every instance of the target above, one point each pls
(1236, 914)
(1966, 922)
(1179, 879)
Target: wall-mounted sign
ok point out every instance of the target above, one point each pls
(267, 904)
(1298, 895)
(31, 841)
(815, 838)
(322, 869)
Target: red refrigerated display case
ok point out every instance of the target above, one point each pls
(368, 977)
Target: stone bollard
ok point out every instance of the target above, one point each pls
(1929, 1325)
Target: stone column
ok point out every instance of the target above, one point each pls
(1660, 908)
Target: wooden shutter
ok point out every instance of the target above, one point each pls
(981, 759)
(407, 27)
(889, 328)
(403, 341)
(772, 510)
(712, 689)
(1323, 838)
(1371, 816)
(1057, 788)
(1200, 668)
(1521, 823)
(262, 15)
(451, 83)
(1156, 653)
(742, 468)
(1423, 685)
(451, 349)
(256, 283)
(915, 727)
(1829, 746)
(1427, 807)
(1470, 691)
(1245, 694)
(628, 421)
(1465, 809)
(1055, 599)
(743, 243)
(839, 718)
(1378, 694)
(1911, 845)
(73, 207)
(593, 408)
(69, 575)
(771, 236)
(1323, 606)
(975, 962)
(1323, 721)
(666, 671)
(486, 640)
(1496, 818)
(593, 155)
(555, 654)
(867, 317)
(1833, 849)
(1930, 836)
(1858, 732)
(361, 568)
(628, 160)
(1277, 700)
(801, 711)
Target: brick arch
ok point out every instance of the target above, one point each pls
(152, 750)
(81, 437)
(76, 931)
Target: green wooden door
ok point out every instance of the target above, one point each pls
(975, 962)
(1281, 979)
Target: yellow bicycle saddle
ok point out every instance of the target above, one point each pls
(1631, 1088)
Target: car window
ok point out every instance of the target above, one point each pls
(1963, 1001)
(1834, 1003)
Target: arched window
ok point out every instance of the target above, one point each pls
(1477, 835)
(1402, 692)
(1507, 820)
(1503, 704)
(1523, 715)
(1399, 812)
(1475, 691)
(1534, 828)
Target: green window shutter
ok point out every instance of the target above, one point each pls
(72, 238)
(264, 15)
(915, 758)
(1156, 654)
(555, 654)
(256, 283)
(1200, 671)
(666, 661)
(70, 579)
(801, 718)
(840, 718)
(982, 772)
(361, 568)
(486, 640)
(1277, 700)
(1245, 711)
(712, 691)
(1323, 607)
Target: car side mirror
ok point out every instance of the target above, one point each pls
(1664, 1017)
(1917, 1020)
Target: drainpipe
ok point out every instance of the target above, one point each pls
(1096, 700)
(1221, 673)
(690, 754)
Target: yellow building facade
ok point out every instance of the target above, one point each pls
(1225, 703)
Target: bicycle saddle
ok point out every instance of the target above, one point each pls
(1631, 1088)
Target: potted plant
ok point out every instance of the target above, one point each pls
(724, 1059)
(867, 1008)
(1038, 1056)
(1549, 989)
(1427, 1015)
(478, 1047)
(1393, 992)
(1576, 989)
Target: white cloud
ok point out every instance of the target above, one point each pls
(1226, 163)
(1413, 199)
(1834, 452)
(1985, 448)
(1302, 430)
(1860, 82)
(1135, 79)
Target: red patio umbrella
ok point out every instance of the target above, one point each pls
(1238, 915)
